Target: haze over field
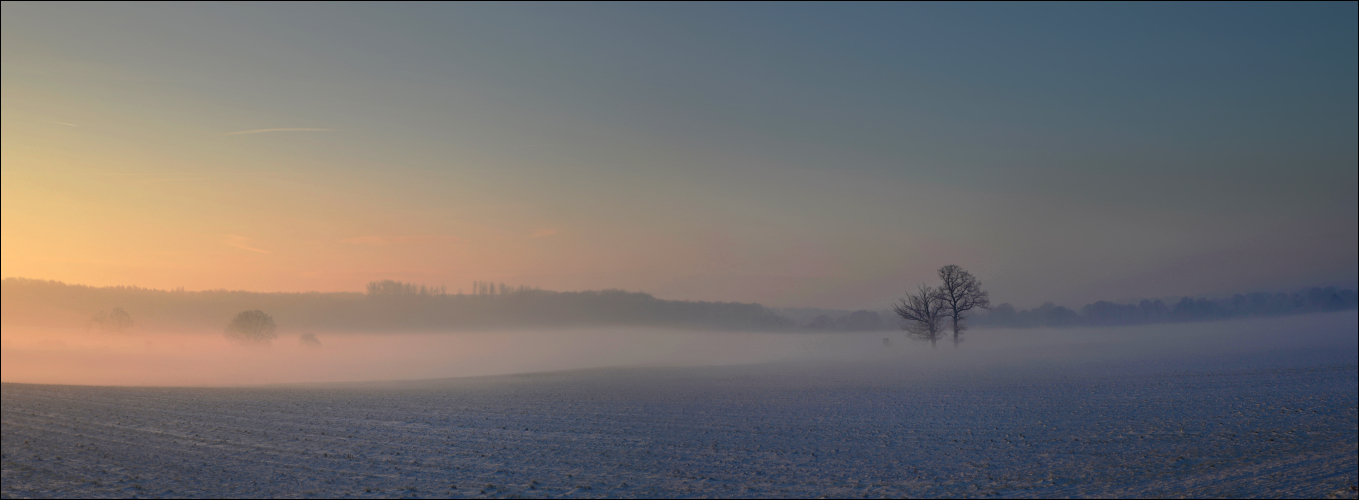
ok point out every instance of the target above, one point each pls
(71, 356)
(1227, 409)
(60, 333)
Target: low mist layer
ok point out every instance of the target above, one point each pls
(188, 359)
(77, 356)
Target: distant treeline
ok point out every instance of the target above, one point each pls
(396, 306)
(836, 320)
(388, 306)
(1104, 313)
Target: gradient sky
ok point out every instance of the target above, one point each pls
(826, 155)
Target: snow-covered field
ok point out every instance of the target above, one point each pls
(1263, 408)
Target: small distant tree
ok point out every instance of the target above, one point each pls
(309, 340)
(116, 320)
(251, 327)
(924, 312)
(962, 292)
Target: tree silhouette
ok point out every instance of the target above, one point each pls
(925, 311)
(251, 327)
(962, 292)
(309, 340)
(116, 320)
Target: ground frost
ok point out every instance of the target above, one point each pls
(1280, 426)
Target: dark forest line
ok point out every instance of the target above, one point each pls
(1187, 309)
(387, 306)
(394, 306)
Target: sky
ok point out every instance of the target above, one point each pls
(823, 155)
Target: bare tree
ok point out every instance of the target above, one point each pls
(116, 320)
(925, 311)
(250, 327)
(962, 292)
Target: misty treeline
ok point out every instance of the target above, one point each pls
(387, 306)
(1105, 313)
(829, 320)
(1102, 313)
(395, 306)
(396, 288)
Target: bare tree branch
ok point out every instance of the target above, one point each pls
(962, 292)
(251, 327)
(116, 320)
(925, 310)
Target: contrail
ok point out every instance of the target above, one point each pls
(262, 130)
(241, 243)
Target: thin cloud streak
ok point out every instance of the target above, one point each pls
(263, 130)
(241, 243)
(391, 240)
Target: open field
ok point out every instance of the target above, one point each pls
(1272, 411)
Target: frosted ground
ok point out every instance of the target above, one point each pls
(1264, 408)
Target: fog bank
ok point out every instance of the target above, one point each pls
(75, 356)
